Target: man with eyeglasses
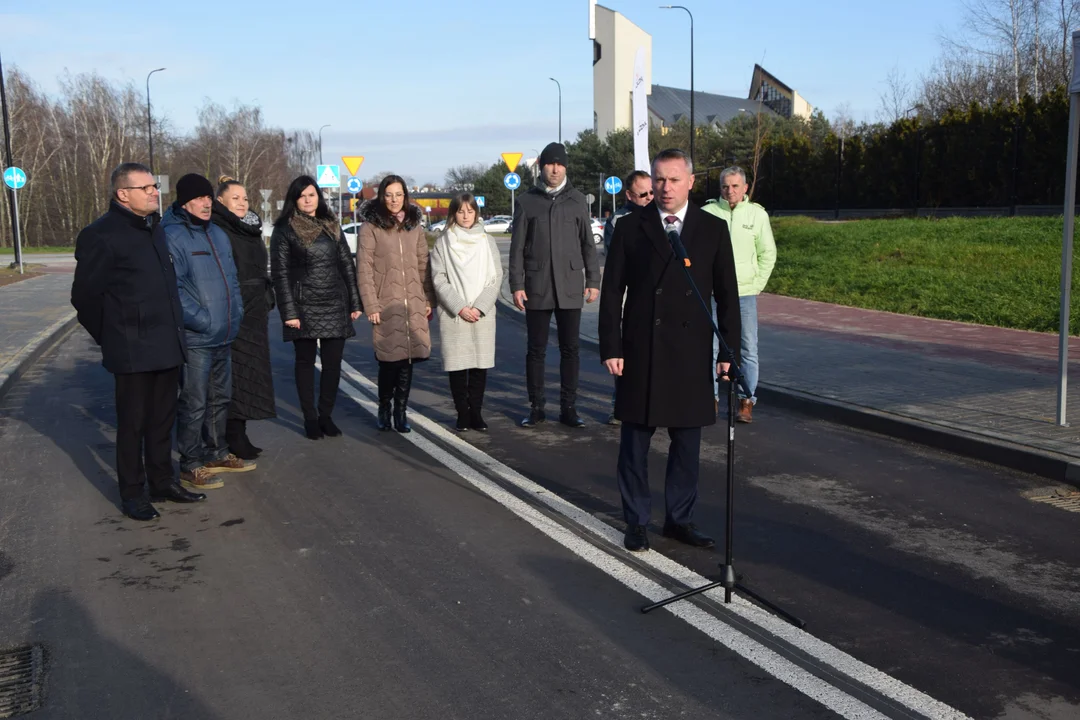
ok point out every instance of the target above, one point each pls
(126, 297)
(639, 193)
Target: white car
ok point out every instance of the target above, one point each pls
(352, 235)
(597, 231)
(437, 227)
(498, 224)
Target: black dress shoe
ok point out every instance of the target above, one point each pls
(536, 416)
(175, 492)
(139, 509)
(462, 422)
(326, 424)
(312, 429)
(688, 534)
(636, 538)
(569, 418)
(476, 422)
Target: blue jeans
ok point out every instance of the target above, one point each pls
(205, 391)
(748, 346)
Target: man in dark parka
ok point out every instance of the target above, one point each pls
(658, 345)
(551, 245)
(125, 294)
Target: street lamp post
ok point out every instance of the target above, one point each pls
(149, 119)
(560, 106)
(320, 143)
(680, 7)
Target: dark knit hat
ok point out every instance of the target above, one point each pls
(554, 153)
(192, 186)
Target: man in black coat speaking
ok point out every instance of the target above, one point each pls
(659, 344)
(126, 297)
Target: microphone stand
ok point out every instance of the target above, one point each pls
(734, 375)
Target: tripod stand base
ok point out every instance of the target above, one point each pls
(730, 586)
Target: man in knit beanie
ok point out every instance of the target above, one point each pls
(213, 308)
(553, 271)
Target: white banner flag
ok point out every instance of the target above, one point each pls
(640, 114)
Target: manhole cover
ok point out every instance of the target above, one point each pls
(21, 673)
(1065, 501)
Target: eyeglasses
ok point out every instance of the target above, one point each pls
(145, 188)
(647, 193)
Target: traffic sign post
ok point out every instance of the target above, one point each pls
(613, 185)
(355, 185)
(15, 178)
(480, 200)
(512, 181)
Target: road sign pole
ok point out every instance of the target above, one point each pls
(511, 203)
(18, 237)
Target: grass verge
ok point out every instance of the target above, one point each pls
(994, 271)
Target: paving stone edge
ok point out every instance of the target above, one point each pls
(42, 342)
(1053, 466)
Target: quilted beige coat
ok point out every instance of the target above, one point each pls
(392, 272)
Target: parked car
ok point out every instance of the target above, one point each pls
(498, 224)
(597, 231)
(437, 227)
(352, 235)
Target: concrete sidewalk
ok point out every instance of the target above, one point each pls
(981, 391)
(34, 314)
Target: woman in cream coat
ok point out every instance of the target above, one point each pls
(466, 272)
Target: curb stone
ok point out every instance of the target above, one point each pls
(996, 451)
(42, 343)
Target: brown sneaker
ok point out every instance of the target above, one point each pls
(230, 464)
(746, 411)
(200, 479)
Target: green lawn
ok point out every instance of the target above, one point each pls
(995, 271)
(39, 250)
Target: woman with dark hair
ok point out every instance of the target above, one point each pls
(392, 264)
(466, 272)
(315, 282)
(252, 380)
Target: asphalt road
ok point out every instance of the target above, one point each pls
(371, 576)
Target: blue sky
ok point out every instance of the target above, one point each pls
(417, 86)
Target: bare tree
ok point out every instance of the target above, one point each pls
(464, 174)
(897, 98)
(999, 25)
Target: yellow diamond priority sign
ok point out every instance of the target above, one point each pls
(511, 160)
(353, 163)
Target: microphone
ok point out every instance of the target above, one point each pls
(678, 248)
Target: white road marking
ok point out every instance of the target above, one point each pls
(779, 667)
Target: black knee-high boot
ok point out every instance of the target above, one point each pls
(459, 390)
(236, 438)
(401, 397)
(388, 375)
(476, 386)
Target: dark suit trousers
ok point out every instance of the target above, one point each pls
(538, 325)
(680, 488)
(145, 414)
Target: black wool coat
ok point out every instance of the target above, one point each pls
(252, 379)
(663, 333)
(125, 293)
(551, 244)
(315, 284)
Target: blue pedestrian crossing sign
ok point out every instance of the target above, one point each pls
(512, 181)
(613, 185)
(328, 176)
(355, 185)
(480, 200)
(14, 178)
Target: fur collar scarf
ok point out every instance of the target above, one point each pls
(381, 218)
(308, 228)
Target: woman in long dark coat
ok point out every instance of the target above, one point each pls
(315, 281)
(252, 381)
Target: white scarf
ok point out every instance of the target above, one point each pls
(555, 190)
(469, 264)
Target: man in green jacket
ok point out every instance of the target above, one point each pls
(755, 256)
